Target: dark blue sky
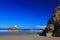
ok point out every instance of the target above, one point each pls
(26, 13)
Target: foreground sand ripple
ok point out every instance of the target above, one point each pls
(27, 37)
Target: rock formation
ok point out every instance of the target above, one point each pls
(53, 25)
(14, 28)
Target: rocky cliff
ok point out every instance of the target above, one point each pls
(53, 25)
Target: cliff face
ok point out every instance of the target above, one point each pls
(53, 25)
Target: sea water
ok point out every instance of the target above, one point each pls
(7, 32)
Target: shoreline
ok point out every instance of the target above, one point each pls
(27, 37)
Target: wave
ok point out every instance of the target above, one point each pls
(7, 32)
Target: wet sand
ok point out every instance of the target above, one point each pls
(27, 37)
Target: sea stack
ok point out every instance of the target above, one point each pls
(14, 29)
(53, 25)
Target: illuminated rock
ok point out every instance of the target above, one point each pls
(14, 28)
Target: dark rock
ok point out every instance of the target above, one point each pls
(57, 33)
(53, 25)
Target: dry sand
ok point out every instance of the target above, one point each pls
(27, 37)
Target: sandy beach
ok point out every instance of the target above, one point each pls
(27, 37)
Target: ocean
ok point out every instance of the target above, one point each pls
(7, 32)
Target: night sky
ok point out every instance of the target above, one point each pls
(26, 13)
